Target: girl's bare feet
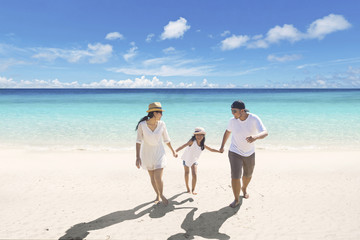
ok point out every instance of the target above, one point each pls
(194, 193)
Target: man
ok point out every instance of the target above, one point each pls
(245, 128)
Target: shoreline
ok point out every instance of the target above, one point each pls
(125, 149)
(293, 195)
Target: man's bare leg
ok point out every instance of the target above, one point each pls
(236, 185)
(246, 181)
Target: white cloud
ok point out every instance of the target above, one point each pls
(131, 52)
(6, 82)
(36, 83)
(172, 60)
(230, 85)
(142, 82)
(187, 85)
(9, 50)
(234, 42)
(170, 65)
(6, 63)
(248, 71)
(345, 79)
(156, 61)
(287, 32)
(175, 29)
(165, 70)
(307, 65)
(97, 53)
(169, 50)
(149, 37)
(332, 62)
(225, 33)
(326, 25)
(257, 37)
(317, 29)
(205, 83)
(285, 58)
(114, 35)
(261, 43)
(354, 71)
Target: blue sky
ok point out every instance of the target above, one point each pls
(197, 43)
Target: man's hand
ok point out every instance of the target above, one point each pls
(250, 139)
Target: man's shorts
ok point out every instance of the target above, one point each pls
(239, 163)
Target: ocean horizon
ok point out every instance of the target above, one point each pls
(105, 119)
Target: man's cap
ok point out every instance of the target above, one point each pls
(239, 105)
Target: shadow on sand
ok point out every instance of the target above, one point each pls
(82, 230)
(207, 225)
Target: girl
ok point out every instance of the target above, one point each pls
(194, 148)
(150, 152)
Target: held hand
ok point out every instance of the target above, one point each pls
(250, 139)
(175, 155)
(221, 150)
(138, 162)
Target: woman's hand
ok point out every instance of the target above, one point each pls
(175, 154)
(138, 162)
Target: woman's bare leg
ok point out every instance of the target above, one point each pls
(159, 184)
(153, 183)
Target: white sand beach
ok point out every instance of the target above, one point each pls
(102, 195)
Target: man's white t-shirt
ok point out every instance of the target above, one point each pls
(241, 130)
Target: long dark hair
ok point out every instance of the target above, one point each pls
(202, 143)
(150, 115)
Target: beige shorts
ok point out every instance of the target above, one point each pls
(239, 163)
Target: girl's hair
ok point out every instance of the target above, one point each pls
(150, 115)
(202, 143)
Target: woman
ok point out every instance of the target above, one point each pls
(150, 152)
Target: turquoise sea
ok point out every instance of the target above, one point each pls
(105, 119)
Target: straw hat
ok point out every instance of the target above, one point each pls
(199, 130)
(155, 107)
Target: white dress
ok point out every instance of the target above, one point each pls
(152, 151)
(191, 154)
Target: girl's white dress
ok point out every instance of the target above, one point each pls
(191, 154)
(152, 152)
